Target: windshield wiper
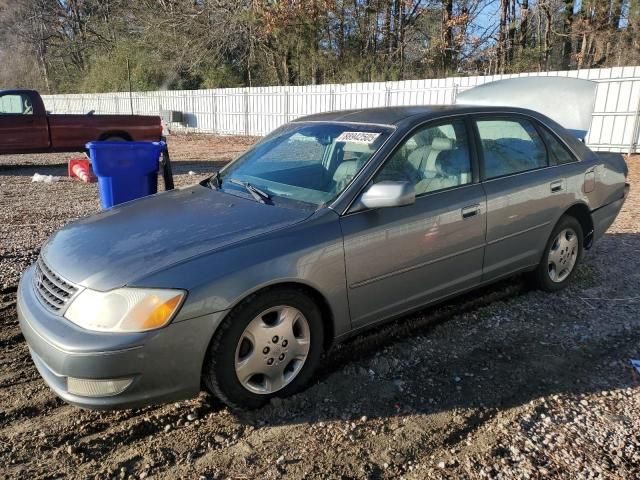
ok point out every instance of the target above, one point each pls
(255, 192)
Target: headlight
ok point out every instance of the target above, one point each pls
(124, 309)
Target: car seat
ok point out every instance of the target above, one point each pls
(345, 173)
(450, 167)
(423, 159)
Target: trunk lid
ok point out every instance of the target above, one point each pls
(568, 101)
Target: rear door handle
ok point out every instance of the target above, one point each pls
(470, 210)
(557, 186)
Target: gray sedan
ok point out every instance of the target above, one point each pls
(332, 224)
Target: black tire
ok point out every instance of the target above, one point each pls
(541, 277)
(115, 138)
(219, 372)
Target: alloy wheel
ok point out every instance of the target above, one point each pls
(272, 349)
(563, 255)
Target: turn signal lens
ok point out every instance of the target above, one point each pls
(124, 309)
(151, 313)
(97, 388)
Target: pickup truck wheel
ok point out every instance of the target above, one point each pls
(268, 346)
(561, 256)
(115, 138)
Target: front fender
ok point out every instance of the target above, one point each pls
(310, 253)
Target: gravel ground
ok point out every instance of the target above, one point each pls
(504, 382)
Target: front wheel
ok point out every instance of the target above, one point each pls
(561, 256)
(268, 346)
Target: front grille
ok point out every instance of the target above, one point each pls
(53, 291)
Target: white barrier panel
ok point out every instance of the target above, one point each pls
(258, 110)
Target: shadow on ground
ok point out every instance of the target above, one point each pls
(467, 354)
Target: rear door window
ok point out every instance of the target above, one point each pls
(509, 146)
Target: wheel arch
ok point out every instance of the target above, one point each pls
(328, 320)
(580, 211)
(115, 133)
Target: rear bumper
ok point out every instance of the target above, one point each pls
(604, 217)
(165, 364)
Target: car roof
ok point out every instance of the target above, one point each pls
(394, 115)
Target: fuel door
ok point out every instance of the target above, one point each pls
(590, 180)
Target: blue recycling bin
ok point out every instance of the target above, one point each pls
(125, 170)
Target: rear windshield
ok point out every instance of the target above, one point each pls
(306, 162)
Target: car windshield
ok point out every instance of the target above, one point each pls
(304, 162)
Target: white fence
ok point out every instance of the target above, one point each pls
(258, 110)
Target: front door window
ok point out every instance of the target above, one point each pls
(433, 158)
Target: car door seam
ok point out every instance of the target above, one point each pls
(346, 272)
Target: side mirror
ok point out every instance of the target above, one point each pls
(389, 194)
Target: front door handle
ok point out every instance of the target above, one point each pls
(471, 210)
(557, 186)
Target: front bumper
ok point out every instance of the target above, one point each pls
(165, 364)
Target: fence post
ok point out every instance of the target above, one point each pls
(332, 100)
(215, 114)
(454, 94)
(387, 96)
(633, 144)
(246, 112)
(286, 106)
(194, 114)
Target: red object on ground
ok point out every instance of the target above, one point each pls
(81, 169)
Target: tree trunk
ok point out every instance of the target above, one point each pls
(447, 35)
(400, 28)
(387, 27)
(512, 30)
(503, 37)
(547, 35)
(616, 14)
(524, 24)
(567, 24)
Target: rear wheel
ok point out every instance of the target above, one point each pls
(115, 138)
(268, 346)
(561, 256)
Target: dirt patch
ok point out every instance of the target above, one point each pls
(208, 147)
(501, 383)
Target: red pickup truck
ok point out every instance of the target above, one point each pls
(26, 127)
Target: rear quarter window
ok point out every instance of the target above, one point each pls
(558, 153)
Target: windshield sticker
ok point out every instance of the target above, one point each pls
(366, 138)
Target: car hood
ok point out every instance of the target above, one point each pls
(128, 242)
